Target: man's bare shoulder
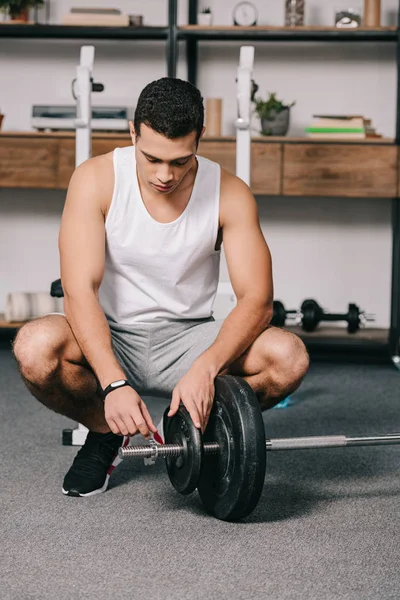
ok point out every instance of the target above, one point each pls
(236, 197)
(94, 179)
(97, 166)
(231, 183)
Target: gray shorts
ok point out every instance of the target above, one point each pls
(155, 356)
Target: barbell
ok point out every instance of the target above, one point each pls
(227, 464)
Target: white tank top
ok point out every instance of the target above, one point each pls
(160, 271)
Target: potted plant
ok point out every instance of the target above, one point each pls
(274, 115)
(18, 9)
(204, 17)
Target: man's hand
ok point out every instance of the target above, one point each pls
(196, 390)
(127, 414)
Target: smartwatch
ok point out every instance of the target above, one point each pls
(114, 386)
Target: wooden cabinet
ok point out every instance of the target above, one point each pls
(279, 166)
(266, 168)
(358, 170)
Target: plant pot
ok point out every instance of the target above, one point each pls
(277, 123)
(23, 15)
(204, 19)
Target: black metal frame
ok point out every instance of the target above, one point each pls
(83, 32)
(287, 35)
(191, 44)
(172, 41)
(394, 334)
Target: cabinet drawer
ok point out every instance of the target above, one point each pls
(224, 153)
(28, 162)
(266, 161)
(266, 169)
(340, 170)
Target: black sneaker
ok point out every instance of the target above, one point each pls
(93, 465)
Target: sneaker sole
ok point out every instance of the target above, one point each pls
(117, 460)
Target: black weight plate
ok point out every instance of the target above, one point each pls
(56, 289)
(184, 470)
(310, 302)
(311, 314)
(231, 481)
(353, 318)
(279, 318)
(308, 321)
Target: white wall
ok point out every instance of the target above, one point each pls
(336, 250)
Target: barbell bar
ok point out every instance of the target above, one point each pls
(278, 444)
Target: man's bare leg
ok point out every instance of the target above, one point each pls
(56, 372)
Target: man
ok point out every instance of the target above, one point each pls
(139, 244)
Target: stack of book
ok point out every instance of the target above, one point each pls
(341, 127)
(102, 17)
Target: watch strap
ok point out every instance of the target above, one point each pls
(115, 385)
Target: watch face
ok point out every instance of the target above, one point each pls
(245, 14)
(117, 383)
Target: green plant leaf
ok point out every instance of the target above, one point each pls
(271, 106)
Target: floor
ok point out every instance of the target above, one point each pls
(326, 527)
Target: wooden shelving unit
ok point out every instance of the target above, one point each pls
(291, 34)
(71, 32)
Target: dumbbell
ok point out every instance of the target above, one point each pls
(312, 314)
(227, 464)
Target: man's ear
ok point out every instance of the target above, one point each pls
(202, 132)
(132, 132)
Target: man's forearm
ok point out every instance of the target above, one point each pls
(239, 330)
(90, 327)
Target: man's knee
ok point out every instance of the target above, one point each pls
(37, 348)
(290, 360)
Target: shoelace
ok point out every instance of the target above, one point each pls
(102, 450)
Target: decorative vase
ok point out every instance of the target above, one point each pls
(204, 19)
(214, 117)
(294, 13)
(372, 13)
(277, 122)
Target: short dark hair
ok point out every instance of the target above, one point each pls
(170, 106)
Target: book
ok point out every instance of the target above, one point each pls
(96, 11)
(341, 127)
(95, 20)
(335, 129)
(342, 117)
(333, 124)
(337, 136)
